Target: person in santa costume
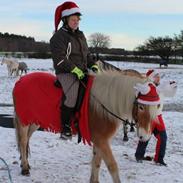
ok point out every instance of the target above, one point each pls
(164, 89)
(71, 59)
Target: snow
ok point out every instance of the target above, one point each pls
(54, 160)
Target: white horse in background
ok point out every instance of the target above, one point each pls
(12, 66)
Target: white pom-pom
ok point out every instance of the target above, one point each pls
(142, 88)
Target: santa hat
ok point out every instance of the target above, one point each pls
(66, 9)
(151, 73)
(147, 94)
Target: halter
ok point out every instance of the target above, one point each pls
(135, 114)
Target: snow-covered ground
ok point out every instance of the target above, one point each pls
(55, 161)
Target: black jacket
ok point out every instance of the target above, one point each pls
(79, 55)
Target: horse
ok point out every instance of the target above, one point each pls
(22, 67)
(106, 67)
(163, 62)
(12, 66)
(113, 90)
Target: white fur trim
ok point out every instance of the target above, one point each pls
(142, 88)
(154, 73)
(148, 102)
(71, 11)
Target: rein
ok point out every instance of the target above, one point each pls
(104, 107)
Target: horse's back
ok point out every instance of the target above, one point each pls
(23, 66)
(30, 82)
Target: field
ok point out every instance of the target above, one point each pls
(54, 160)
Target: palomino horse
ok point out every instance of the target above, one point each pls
(12, 66)
(116, 92)
(106, 67)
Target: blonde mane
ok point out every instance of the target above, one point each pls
(116, 92)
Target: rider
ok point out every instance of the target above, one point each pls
(71, 59)
(158, 127)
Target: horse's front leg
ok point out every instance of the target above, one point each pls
(9, 72)
(96, 162)
(17, 72)
(125, 131)
(107, 156)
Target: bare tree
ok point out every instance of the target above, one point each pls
(99, 40)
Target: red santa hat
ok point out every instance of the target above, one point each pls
(66, 9)
(151, 73)
(147, 94)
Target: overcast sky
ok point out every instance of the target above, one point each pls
(128, 22)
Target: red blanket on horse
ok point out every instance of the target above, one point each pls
(37, 101)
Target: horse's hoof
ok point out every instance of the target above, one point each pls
(125, 138)
(29, 167)
(132, 129)
(25, 172)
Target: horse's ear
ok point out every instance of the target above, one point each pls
(142, 88)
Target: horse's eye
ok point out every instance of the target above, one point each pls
(158, 106)
(141, 107)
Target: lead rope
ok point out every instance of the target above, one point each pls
(116, 116)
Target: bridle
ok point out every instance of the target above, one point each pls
(135, 112)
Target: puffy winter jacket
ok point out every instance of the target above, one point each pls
(73, 44)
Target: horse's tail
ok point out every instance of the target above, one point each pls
(21, 132)
(16, 125)
(24, 136)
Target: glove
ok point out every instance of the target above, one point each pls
(78, 72)
(95, 68)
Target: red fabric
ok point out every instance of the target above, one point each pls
(38, 101)
(149, 72)
(158, 144)
(159, 125)
(151, 96)
(65, 6)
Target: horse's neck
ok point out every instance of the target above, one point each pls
(116, 93)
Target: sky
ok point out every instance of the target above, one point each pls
(128, 22)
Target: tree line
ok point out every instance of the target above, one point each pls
(155, 48)
(18, 43)
(167, 48)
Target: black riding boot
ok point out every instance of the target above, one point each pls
(66, 116)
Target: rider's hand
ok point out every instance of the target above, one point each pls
(78, 72)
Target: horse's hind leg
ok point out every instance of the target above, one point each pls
(22, 140)
(107, 156)
(32, 129)
(96, 162)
